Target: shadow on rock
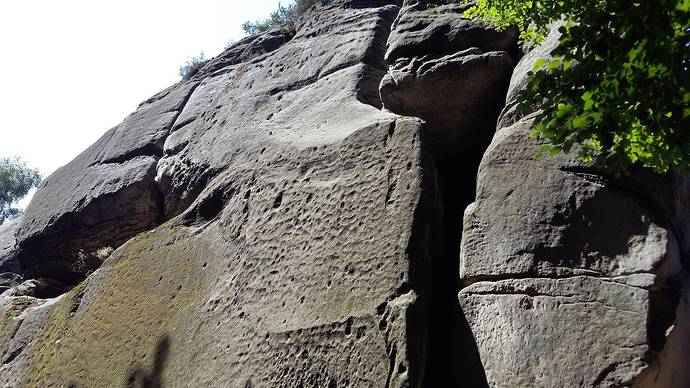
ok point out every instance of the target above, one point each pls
(140, 378)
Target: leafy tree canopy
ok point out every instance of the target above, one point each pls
(16, 179)
(192, 65)
(284, 18)
(617, 89)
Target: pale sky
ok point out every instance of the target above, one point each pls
(72, 69)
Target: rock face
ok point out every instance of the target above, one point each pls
(291, 215)
(570, 278)
(447, 70)
(8, 261)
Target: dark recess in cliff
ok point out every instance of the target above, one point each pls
(445, 347)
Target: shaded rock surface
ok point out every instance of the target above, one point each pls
(335, 208)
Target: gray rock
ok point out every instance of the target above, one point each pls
(449, 92)
(85, 206)
(548, 217)
(8, 260)
(287, 260)
(521, 75)
(274, 226)
(24, 320)
(256, 108)
(573, 332)
(246, 49)
(9, 279)
(27, 288)
(668, 365)
(428, 28)
(448, 70)
(143, 132)
(572, 278)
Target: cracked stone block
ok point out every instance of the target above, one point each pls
(573, 332)
(448, 70)
(550, 217)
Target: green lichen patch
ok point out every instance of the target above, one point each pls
(11, 309)
(56, 327)
(144, 300)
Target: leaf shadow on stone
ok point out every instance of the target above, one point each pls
(586, 239)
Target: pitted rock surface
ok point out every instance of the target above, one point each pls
(291, 215)
(560, 260)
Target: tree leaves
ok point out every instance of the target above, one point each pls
(618, 86)
(192, 65)
(15, 182)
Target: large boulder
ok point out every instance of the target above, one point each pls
(570, 277)
(291, 215)
(448, 70)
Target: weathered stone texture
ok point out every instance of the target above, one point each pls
(291, 215)
(289, 263)
(576, 332)
(572, 278)
(542, 217)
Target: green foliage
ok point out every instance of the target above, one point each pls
(284, 18)
(618, 87)
(16, 179)
(192, 65)
(85, 263)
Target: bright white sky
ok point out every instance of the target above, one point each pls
(72, 69)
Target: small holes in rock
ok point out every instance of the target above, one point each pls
(348, 326)
(361, 332)
(380, 309)
(383, 324)
(278, 201)
(209, 208)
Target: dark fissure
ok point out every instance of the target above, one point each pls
(447, 355)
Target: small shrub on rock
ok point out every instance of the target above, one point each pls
(284, 18)
(192, 65)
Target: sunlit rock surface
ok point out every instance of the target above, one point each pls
(337, 208)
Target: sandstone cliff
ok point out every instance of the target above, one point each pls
(357, 205)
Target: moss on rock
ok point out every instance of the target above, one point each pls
(130, 307)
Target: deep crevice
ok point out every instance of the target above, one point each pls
(441, 347)
(449, 356)
(450, 332)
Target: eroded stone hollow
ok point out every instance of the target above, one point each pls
(354, 205)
